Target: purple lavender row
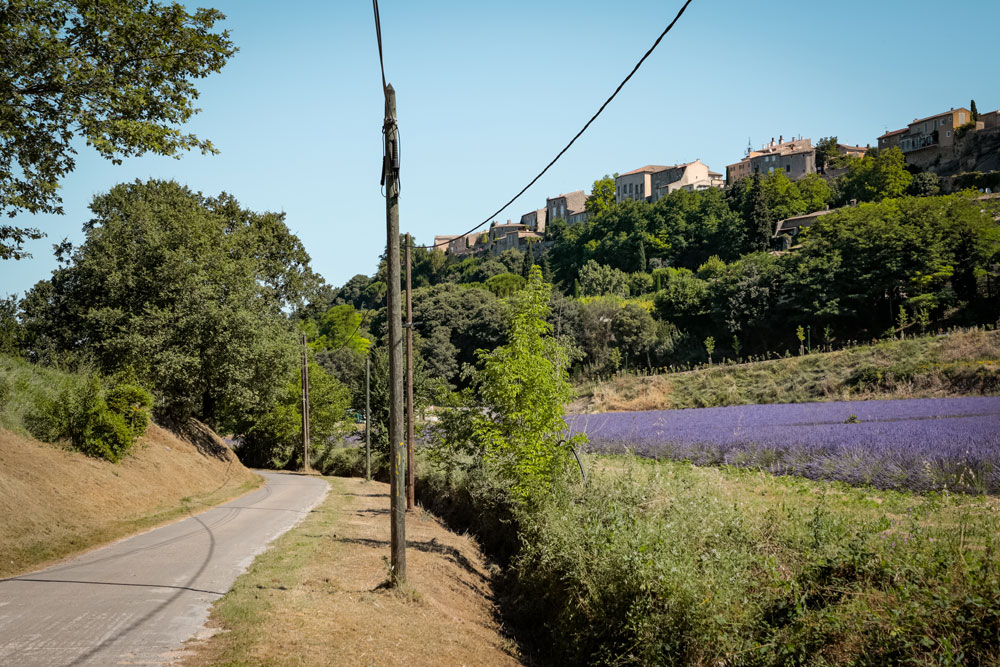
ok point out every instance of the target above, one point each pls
(919, 444)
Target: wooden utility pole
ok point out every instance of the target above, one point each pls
(305, 404)
(410, 495)
(368, 418)
(397, 462)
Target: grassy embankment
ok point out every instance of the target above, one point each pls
(667, 563)
(963, 363)
(57, 502)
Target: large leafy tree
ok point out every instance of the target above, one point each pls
(183, 291)
(876, 176)
(117, 73)
(602, 195)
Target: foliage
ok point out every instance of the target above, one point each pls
(340, 326)
(505, 284)
(760, 220)
(101, 417)
(521, 389)
(186, 291)
(924, 184)
(117, 74)
(879, 175)
(602, 196)
(600, 280)
(273, 439)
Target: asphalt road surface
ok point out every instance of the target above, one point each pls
(136, 601)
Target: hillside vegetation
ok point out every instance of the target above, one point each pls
(963, 363)
(56, 501)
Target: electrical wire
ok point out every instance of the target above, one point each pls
(378, 36)
(575, 137)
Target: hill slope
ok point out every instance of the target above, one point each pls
(965, 363)
(57, 502)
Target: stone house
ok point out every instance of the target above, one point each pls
(796, 157)
(535, 220)
(565, 206)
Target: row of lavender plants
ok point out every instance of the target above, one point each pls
(916, 444)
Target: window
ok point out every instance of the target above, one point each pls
(948, 133)
(788, 168)
(961, 117)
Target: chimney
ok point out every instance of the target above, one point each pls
(781, 139)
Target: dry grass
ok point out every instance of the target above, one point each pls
(55, 502)
(960, 364)
(317, 597)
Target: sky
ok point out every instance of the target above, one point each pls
(488, 93)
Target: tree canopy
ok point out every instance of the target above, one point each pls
(184, 291)
(117, 73)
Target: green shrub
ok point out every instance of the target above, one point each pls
(98, 422)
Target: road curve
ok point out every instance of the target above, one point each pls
(136, 601)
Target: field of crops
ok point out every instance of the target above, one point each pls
(918, 444)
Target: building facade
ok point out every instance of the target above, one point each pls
(562, 207)
(936, 130)
(535, 220)
(795, 157)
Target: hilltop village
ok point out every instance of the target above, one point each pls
(960, 147)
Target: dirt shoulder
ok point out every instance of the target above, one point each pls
(317, 596)
(57, 503)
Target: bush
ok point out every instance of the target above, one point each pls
(98, 422)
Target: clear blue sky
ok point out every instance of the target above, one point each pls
(489, 92)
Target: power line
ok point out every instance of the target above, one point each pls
(575, 137)
(378, 36)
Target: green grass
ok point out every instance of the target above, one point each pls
(958, 364)
(667, 563)
(25, 386)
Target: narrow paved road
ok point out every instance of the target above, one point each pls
(136, 601)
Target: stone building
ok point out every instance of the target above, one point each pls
(562, 207)
(796, 157)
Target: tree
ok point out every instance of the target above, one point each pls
(641, 258)
(924, 184)
(274, 437)
(758, 218)
(602, 196)
(340, 326)
(974, 110)
(180, 290)
(522, 390)
(115, 73)
(826, 151)
(878, 175)
(600, 280)
(529, 261)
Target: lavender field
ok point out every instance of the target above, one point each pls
(918, 444)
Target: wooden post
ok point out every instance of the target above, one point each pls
(410, 470)
(368, 418)
(305, 405)
(397, 462)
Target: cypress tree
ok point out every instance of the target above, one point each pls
(529, 261)
(546, 269)
(576, 288)
(975, 111)
(758, 217)
(642, 255)
(659, 281)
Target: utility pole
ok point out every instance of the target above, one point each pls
(397, 463)
(368, 418)
(305, 405)
(410, 494)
